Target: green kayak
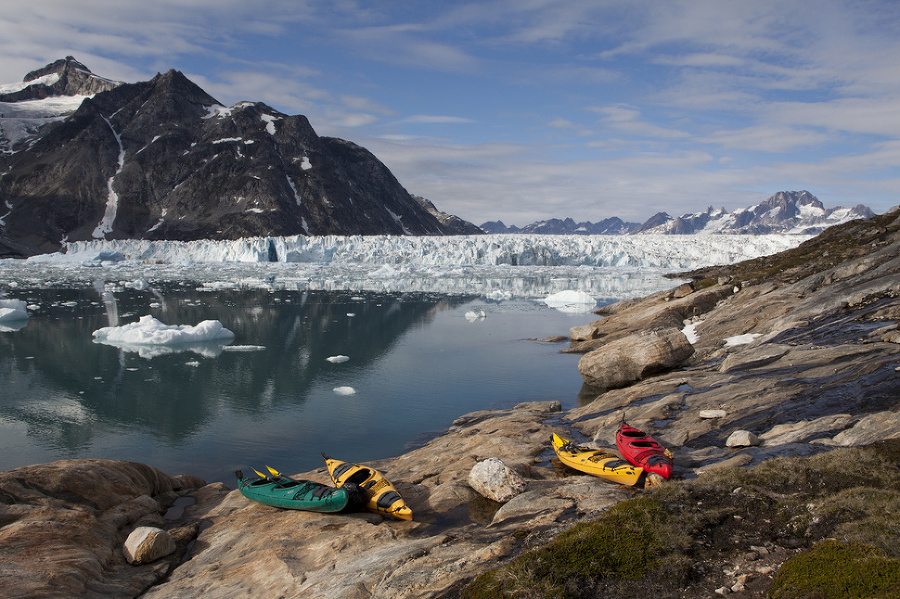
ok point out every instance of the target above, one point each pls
(280, 491)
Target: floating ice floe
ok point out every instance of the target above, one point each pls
(150, 338)
(345, 390)
(571, 301)
(473, 315)
(139, 285)
(13, 310)
(338, 359)
(239, 348)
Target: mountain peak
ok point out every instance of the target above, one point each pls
(63, 77)
(162, 159)
(58, 67)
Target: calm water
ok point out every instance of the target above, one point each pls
(416, 363)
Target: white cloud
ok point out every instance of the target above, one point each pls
(588, 109)
(876, 116)
(766, 138)
(628, 120)
(437, 120)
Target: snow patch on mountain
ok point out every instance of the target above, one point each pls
(20, 120)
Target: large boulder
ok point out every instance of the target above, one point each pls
(629, 359)
(495, 480)
(147, 544)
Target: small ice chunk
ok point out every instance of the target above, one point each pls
(473, 315)
(13, 309)
(345, 390)
(386, 271)
(338, 359)
(140, 285)
(571, 301)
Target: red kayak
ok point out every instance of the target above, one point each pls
(642, 450)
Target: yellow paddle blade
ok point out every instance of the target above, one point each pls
(261, 475)
(273, 471)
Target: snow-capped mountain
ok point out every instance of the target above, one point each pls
(82, 157)
(43, 97)
(791, 212)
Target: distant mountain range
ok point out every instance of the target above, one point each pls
(83, 157)
(792, 212)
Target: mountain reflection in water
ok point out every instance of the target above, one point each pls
(416, 363)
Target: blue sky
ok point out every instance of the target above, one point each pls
(521, 110)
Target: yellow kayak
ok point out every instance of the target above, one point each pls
(596, 462)
(381, 496)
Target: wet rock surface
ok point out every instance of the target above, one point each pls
(816, 369)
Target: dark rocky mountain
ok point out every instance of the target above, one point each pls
(497, 226)
(162, 159)
(567, 226)
(795, 212)
(453, 223)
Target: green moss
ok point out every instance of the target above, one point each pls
(626, 543)
(833, 570)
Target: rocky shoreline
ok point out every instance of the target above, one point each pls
(785, 356)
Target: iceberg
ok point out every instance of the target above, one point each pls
(13, 310)
(571, 301)
(150, 337)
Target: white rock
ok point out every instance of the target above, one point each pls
(146, 544)
(742, 438)
(797, 432)
(495, 480)
(713, 413)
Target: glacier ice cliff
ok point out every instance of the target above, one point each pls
(499, 267)
(643, 251)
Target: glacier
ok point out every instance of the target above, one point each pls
(637, 251)
(498, 266)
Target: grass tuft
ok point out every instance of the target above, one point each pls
(835, 570)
